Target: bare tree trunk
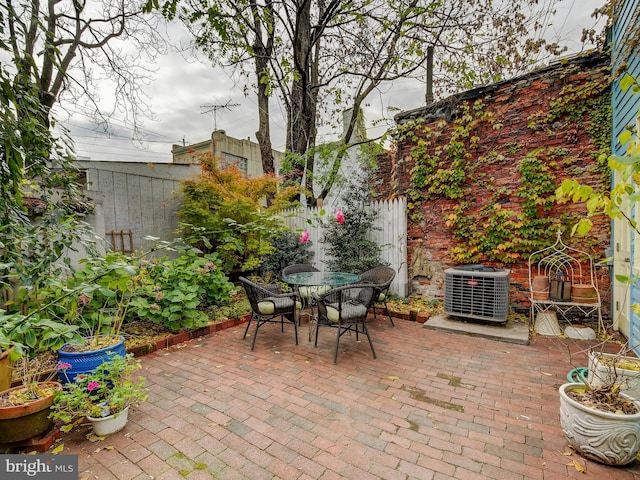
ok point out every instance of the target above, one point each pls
(263, 54)
(299, 120)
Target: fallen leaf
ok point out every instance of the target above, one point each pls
(567, 454)
(393, 377)
(58, 449)
(578, 466)
(219, 366)
(547, 374)
(92, 437)
(110, 447)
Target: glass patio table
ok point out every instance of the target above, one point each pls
(320, 282)
(320, 279)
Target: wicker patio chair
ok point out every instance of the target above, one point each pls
(305, 292)
(269, 306)
(381, 277)
(299, 267)
(345, 309)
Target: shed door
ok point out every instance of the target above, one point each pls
(622, 235)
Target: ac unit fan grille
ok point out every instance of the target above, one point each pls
(479, 295)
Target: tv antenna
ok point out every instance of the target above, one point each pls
(208, 108)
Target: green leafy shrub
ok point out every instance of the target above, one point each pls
(287, 250)
(112, 290)
(226, 210)
(179, 291)
(346, 241)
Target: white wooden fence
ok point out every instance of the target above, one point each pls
(390, 232)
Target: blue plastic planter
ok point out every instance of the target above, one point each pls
(87, 362)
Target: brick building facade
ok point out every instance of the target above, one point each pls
(534, 116)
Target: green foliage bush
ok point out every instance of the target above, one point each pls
(225, 210)
(347, 244)
(115, 289)
(287, 250)
(180, 291)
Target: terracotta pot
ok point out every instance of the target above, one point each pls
(21, 422)
(5, 370)
(583, 294)
(540, 287)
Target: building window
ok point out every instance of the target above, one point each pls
(231, 159)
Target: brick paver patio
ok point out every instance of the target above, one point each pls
(433, 405)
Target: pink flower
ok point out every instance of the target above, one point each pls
(304, 237)
(339, 216)
(91, 386)
(64, 366)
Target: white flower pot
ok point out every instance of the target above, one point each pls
(547, 324)
(113, 423)
(600, 374)
(608, 438)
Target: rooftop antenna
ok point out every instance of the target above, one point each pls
(208, 108)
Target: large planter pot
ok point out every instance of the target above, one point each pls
(87, 362)
(5, 370)
(608, 438)
(602, 371)
(107, 425)
(18, 423)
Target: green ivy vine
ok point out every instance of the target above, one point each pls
(514, 222)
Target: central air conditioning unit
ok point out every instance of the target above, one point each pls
(478, 292)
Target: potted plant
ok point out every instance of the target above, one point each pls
(609, 368)
(600, 423)
(103, 292)
(102, 396)
(32, 333)
(25, 409)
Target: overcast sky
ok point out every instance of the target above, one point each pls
(182, 89)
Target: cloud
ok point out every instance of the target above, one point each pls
(184, 85)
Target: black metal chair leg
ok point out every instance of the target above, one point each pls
(255, 335)
(386, 309)
(366, 332)
(335, 355)
(246, 330)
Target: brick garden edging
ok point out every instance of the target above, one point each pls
(182, 337)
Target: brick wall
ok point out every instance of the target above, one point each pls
(513, 103)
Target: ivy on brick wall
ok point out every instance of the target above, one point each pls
(515, 221)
